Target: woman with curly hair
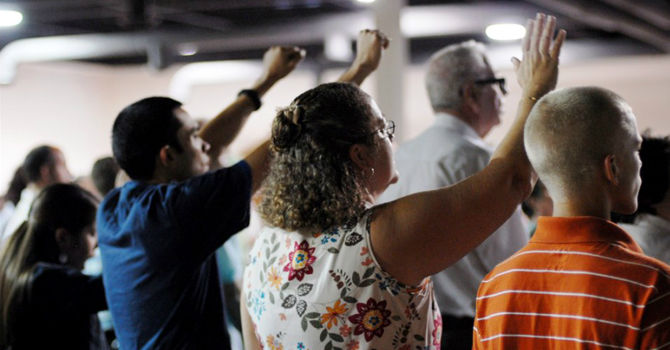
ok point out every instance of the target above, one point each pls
(332, 271)
(45, 300)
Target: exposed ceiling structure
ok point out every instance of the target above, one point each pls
(163, 32)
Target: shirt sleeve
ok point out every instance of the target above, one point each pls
(210, 208)
(655, 326)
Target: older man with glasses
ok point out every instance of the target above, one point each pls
(466, 97)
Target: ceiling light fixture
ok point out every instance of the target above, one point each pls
(505, 31)
(366, 1)
(10, 18)
(188, 50)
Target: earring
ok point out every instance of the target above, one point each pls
(372, 173)
(62, 258)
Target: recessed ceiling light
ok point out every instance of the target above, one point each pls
(188, 50)
(366, 1)
(505, 31)
(10, 18)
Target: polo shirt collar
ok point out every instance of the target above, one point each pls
(581, 229)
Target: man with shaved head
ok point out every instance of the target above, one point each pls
(581, 282)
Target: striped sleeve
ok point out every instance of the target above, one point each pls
(655, 326)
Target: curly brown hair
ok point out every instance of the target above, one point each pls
(313, 182)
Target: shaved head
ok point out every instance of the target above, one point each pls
(570, 132)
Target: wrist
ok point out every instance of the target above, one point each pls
(263, 84)
(253, 97)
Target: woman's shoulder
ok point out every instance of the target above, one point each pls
(57, 280)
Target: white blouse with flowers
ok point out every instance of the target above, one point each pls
(325, 290)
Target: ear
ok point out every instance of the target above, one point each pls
(63, 239)
(470, 99)
(361, 156)
(165, 155)
(611, 169)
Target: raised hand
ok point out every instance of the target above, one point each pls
(537, 72)
(369, 48)
(279, 61)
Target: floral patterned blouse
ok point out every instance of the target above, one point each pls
(325, 290)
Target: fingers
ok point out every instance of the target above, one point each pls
(547, 34)
(537, 31)
(525, 45)
(556, 50)
(516, 62)
(293, 54)
(379, 36)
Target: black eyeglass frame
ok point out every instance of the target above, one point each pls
(500, 81)
(389, 125)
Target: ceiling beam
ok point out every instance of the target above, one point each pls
(604, 18)
(658, 16)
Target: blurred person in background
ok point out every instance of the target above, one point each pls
(45, 300)
(9, 201)
(650, 224)
(104, 175)
(467, 98)
(44, 165)
(538, 204)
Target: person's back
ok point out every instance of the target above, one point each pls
(581, 282)
(157, 243)
(335, 293)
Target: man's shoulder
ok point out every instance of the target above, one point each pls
(440, 143)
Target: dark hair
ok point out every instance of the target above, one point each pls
(655, 174)
(140, 131)
(312, 182)
(57, 206)
(18, 183)
(36, 159)
(104, 174)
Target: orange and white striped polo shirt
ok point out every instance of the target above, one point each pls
(580, 283)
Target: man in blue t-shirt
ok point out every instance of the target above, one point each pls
(158, 232)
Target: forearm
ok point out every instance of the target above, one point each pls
(259, 161)
(224, 128)
(512, 150)
(355, 75)
(437, 228)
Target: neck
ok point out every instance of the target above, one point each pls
(161, 176)
(591, 204)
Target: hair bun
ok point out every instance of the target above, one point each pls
(287, 126)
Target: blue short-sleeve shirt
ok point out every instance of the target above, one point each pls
(157, 243)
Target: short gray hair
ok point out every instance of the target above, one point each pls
(451, 68)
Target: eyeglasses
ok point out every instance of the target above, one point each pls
(386, 131)
(499, 81)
